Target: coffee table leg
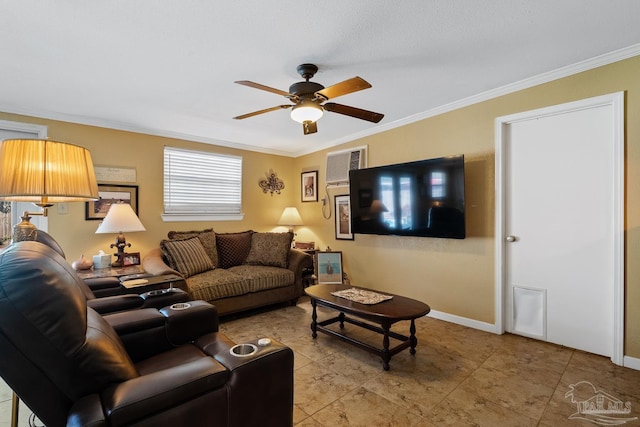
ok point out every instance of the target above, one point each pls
(386, 356)
(412, 337)
(314, 319)
(341, 317)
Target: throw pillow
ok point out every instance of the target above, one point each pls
(233, 248)
(207, 237)
(188, 256)
(270, 249)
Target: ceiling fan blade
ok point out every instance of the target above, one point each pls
(358, 113)
(266, 110)
(309, 127)
(348, 86)
(263, 87)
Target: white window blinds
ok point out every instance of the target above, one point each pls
(201, 183)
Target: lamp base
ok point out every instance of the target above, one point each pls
(120, 243)
(25, 230)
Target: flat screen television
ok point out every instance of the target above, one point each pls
(423, 198)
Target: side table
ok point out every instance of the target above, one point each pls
(110, 272)
(153, 283)
(309, 273)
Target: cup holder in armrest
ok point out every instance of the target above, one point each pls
(243, 350)
(180, 306)
(158, 292)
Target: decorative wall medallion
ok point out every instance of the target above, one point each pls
(272, 183)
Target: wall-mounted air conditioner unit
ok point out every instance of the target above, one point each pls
(339, 163)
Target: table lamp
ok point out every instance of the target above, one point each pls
(44, 172)
(290, 217)
(120, 218)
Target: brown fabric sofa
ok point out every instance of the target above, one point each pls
(233, 271)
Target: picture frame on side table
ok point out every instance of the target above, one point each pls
(110, 194)
(309, 186)
(342, 209)
(328, 266)
(132, 258)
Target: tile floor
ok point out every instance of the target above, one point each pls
(458, 377)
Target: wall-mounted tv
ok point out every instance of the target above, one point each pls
(422, 198)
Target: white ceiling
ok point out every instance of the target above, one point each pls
(167, 67)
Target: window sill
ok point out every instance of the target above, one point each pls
(203, 217)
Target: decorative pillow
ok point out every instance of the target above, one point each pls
(207, 237)
(270, 249)
(233, 248)
(188, 256)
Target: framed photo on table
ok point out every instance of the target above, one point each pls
(132, 258)
(343, 217)
(328, 266)
(108, 195)
(309, 186)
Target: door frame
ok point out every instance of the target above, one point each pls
(616, 103)
(17, 208)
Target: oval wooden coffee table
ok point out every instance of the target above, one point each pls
(385, 314)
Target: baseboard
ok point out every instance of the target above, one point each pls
(464, 321)
(631, 362)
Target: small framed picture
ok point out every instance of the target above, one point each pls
(108, 195)
(328, 266)
(343, 217)
(309, 186)
(131, 259)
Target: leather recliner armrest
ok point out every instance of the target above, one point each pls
(148, 331)
(151, 299)
(185, 324)
(105, 286)
(87, 412)
(154, 393)
(142, 332)
(265, 379)
(116, 303)
(163, 297)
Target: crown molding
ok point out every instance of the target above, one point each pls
(598, 61)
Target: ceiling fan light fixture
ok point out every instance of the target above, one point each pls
(306, 111)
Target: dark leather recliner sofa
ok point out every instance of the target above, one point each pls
(144, 367)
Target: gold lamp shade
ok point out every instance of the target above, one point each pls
(45, 171)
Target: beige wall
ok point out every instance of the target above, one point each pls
(453, 276)
(145, 153)
(457, 276)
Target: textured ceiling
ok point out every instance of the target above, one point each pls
(167, 67)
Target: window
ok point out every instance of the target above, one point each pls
(199, 185)
(438, 185)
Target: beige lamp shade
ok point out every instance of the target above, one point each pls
(45, 171)
(120, 218)
(290, 217)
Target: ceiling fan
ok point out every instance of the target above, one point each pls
(309, 99)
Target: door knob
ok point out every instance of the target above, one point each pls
(511, 238)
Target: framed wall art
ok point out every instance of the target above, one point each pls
(108, 195)
(343, 217)
(328, 266)
(309, 186)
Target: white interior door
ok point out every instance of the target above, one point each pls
(560, 229)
